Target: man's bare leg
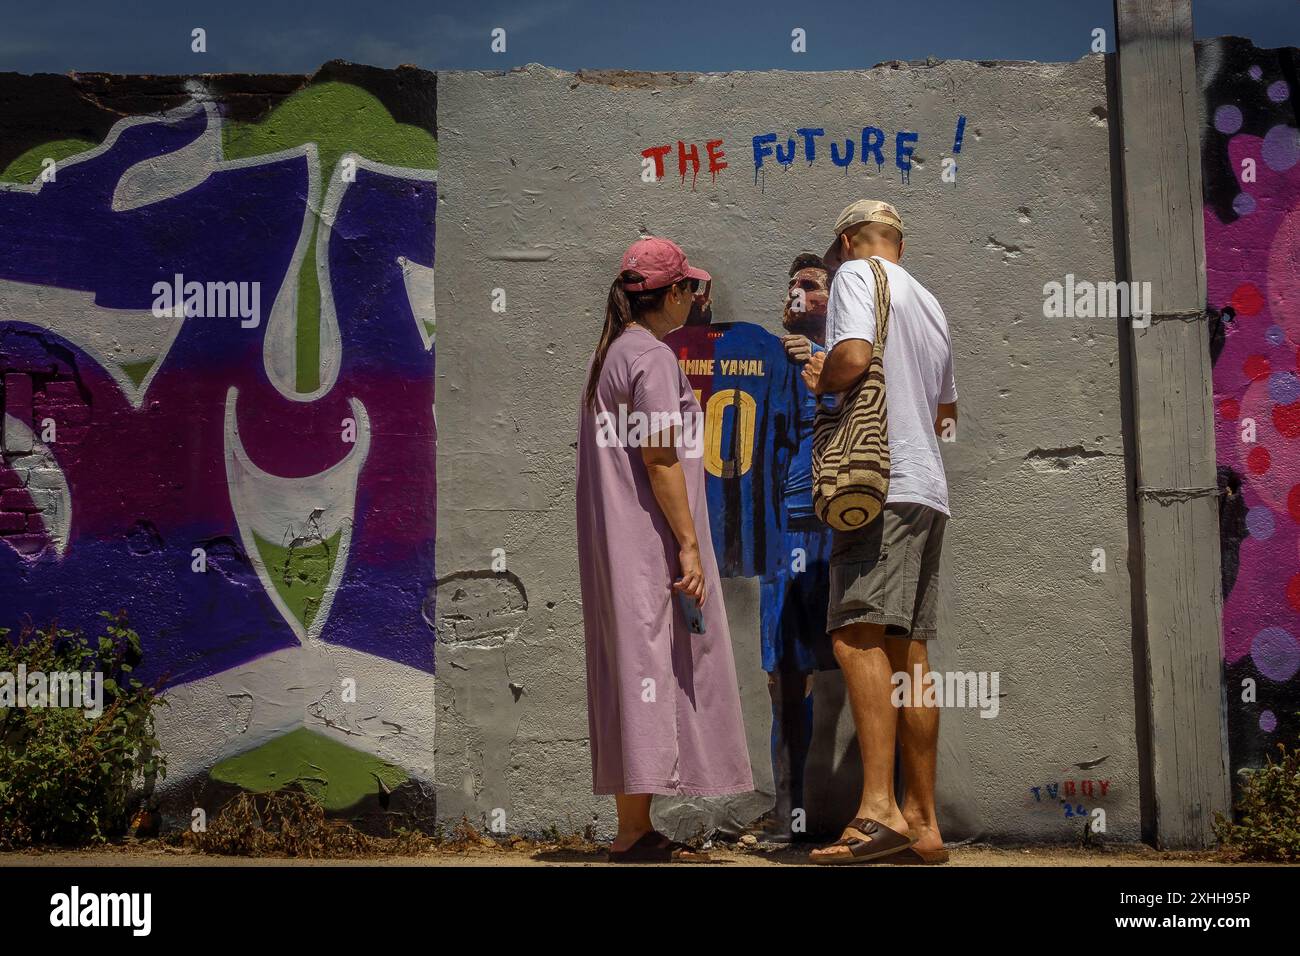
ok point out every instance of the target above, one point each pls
(863, 658)
(918, 744)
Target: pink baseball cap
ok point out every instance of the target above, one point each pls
(661, 261)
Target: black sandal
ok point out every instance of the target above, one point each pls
(866, 839)
(654, 847)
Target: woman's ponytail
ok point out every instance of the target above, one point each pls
(618, 312)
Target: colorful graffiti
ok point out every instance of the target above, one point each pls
(1073, 799)
(239, 480)
(768, 147)
(1251, 172)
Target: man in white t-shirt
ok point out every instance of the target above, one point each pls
(884, 577)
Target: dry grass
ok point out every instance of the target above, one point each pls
(290, 823)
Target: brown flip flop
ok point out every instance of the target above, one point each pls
(870, 840)
(654, 847)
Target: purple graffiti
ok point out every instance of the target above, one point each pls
(153, 476)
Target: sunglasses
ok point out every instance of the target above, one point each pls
(697, 286)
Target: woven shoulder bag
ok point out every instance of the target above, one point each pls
(851, 440)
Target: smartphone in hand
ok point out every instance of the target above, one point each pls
(691, 610)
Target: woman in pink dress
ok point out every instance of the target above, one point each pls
(662, 700)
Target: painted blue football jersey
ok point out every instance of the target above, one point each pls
(798, 480)
(747, 388)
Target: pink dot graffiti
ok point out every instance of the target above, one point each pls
(1253, 273)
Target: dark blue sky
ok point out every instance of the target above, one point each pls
(150, 36)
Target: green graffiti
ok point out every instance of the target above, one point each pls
(136, 371)
(336, 775)
(27, 167)
(300, 573)
(339, 118)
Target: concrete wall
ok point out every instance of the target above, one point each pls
(1250, 159)
(541, 189)
(257, 491)
(130, 440)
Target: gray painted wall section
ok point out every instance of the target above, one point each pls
(540, 192)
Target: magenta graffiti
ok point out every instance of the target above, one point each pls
(1251, 170)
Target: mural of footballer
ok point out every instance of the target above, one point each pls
(796, 591)
(758, 433)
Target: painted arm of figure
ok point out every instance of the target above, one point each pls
(669, 486)
(947, 417)
(837, 370)
(800, 348)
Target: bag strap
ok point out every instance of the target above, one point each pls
(883, 308)
(883, 304)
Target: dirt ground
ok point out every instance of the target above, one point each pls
(525, 853)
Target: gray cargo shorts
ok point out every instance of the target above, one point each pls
(888, 572)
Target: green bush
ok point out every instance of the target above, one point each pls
(66, 778)
(1268, 813)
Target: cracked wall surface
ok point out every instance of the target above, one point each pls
(541, 190)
